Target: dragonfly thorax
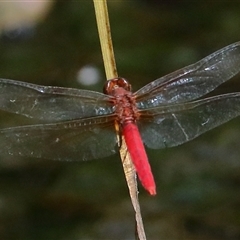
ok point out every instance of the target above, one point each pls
(125, 106)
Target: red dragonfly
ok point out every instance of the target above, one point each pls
(164, 113)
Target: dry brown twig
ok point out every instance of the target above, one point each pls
(101, 12)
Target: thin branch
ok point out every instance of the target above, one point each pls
(101, 12)
(104, 32)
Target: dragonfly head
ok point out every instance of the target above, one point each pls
(112, 84)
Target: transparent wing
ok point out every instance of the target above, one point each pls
(193, 81)
(173, 125)
(51, 103)
(77, 140)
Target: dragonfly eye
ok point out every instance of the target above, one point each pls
(114, 83)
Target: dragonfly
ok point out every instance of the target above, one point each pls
(84, 125)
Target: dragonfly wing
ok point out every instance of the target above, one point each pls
(193, 81)
(51, 103)
(72, 140)
(173, 125)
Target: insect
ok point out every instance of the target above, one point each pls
(164, 113)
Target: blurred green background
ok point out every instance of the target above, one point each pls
(198, 183)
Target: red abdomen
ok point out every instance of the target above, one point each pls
(139, 156)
